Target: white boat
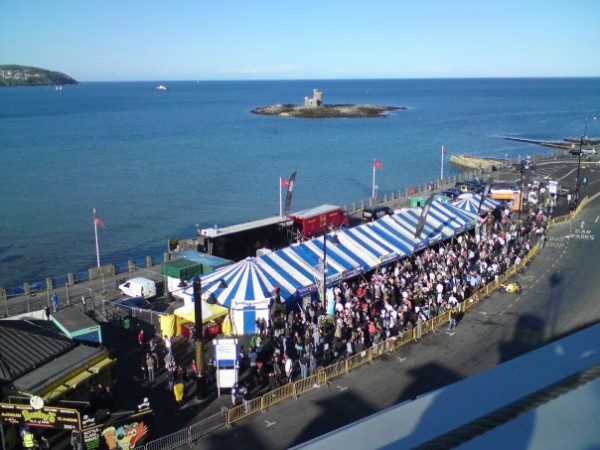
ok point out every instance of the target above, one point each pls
(161, 87)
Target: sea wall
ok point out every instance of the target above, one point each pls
(473, 162)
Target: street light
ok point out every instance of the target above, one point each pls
(583, 137)
(335, 241)
(201, 384)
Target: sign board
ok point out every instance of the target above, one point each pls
(226, 361)
(126, 433)
(44, 417)
(225, 352)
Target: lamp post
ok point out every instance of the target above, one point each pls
(583, 137)
(201, 384)
(325, 270)
(521, 202)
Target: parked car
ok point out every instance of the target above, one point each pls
(589, 151)
(126, 304)
(376, 212)
(452, 193)
(577, 152)
(477, 186)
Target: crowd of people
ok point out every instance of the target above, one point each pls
(393, 300)
(367, 311)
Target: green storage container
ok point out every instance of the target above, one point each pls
(181, 268)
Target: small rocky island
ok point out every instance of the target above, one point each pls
(314, 108)
(12, 75)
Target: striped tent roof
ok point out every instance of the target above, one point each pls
(471, 204)
(246, 281)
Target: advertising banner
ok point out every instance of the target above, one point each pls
(126, 433)
(45, 417)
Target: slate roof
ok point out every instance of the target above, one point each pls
(27, 344)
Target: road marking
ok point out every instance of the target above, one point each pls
(341, 388)
(483, 313)
(596, 221)
(401, 359)
(270, 423)
(449, 334)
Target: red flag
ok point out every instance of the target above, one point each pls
(96, 220)
(444, 150)
(284, 182)
(377, 164)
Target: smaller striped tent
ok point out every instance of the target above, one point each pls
(471, 204)
(247, 289)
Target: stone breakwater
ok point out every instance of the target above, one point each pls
(326, 111)
(473, 162)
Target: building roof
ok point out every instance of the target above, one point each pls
(39, 379)
(27, 344)
(72, 318)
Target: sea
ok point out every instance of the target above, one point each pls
(157, 165)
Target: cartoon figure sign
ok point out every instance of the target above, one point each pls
(126, 436)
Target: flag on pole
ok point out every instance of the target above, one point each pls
(377, 164)
(97, 221)
(284, 182)
(290, 191)
(444, 150)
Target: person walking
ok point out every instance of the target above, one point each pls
(168, 344)
(54, 302)
(28, 439)
(151, 365)
(452, 324)
(140, 337)
(178, 391)
(304, 365)
(126, 326)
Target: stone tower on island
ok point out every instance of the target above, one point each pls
(316, 100)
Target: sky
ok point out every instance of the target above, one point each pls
(128, 40)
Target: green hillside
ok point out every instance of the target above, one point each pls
(12, 75)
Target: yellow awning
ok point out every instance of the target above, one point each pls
(78, 379)
(209, 312)
(56, 392)
(96, 368)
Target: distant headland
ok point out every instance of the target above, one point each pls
(314, 108)
(12, 75)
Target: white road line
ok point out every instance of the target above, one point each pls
(596, 221)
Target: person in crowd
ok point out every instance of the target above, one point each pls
(151, 366)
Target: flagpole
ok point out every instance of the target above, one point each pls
(442, 171)
(373, 185)
(280, 205)
(96, 235)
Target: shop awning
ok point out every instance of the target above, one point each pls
(209, 312)
(78, 379)
(55, 393)
(96, 368)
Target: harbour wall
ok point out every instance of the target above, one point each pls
(478, 163)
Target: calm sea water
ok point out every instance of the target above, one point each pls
(155, 165)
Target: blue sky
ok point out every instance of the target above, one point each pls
(329, 39)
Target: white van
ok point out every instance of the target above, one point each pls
(588, 151)
(139, 287)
